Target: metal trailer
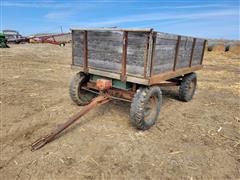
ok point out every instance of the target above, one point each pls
(130, 65)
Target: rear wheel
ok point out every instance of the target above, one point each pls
(78, 95)
(188, 87)
(145, 107)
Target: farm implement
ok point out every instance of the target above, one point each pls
(3, 41)
(130, 65)
(51, 39)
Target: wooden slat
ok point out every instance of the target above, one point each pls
(171, 74)
(85, 51)
(104, 73)
(146, 56)
(149, 62)
(124, 56)
(114, 29)
(137, 80)
(153, 58)
(204, 45)
(73, 48)
(176, 53)
(193, 47)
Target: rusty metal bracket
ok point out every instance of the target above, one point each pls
(101, 99)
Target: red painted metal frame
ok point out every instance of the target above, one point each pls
(45, 39)
(124, 94)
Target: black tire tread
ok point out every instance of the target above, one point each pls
(137, 107)
(183, 89)
(75, 84)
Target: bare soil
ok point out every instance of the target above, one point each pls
(195, 140)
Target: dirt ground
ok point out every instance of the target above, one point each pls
(195, 140)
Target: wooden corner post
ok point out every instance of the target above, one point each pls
(176, 53)
(124, 56)
(85, 51)
(204, 45)
(192, 52)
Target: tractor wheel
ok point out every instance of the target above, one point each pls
(78, 95)
(145, 107)
(188, 87)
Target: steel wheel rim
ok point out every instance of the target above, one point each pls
(191, 87)
(150, 110)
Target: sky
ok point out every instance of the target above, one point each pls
(199, 18)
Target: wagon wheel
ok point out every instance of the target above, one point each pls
(188, 87)
(78, 95)
(145, 107)
(62, 44)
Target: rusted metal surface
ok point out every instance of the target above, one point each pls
(168, 75)
(125, 94)
(204, 45)
(192, 52)
(46, 139)
(134, 87)
(146, 56)
(103, 84)
(176, 53)
(124, 56)
(85, 51)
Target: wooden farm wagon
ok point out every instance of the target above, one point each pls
(130, 65)
(137, 62)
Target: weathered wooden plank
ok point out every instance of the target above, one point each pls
(165, 52)
(184, 52)
(156, 79)
(77, 40)
(105, 53)
(193, 47)
(114, 29)
(85, 52)
(176, 53)
(124, 56)
(135, 53)
(105, 50)
(198, 50)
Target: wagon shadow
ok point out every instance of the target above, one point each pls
(170, 93)
(124, 107)
(95, 113)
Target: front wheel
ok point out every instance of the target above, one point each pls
(78, 95)
(188, 87)
(145, 107)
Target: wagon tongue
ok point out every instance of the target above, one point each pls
(101, 99)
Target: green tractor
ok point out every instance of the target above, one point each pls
(3, 41)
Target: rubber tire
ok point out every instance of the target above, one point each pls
(79, 96)
(140, 99)
(184, 87)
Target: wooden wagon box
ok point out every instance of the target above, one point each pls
(141, 56)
